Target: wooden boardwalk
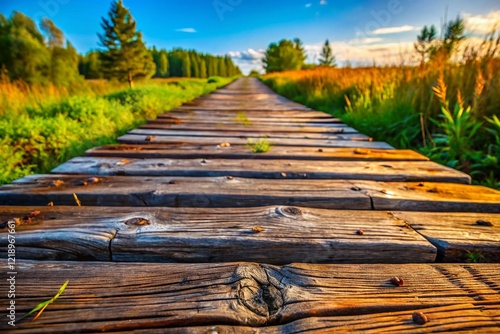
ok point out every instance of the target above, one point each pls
(182, 228)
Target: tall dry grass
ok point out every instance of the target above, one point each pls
(402, 105)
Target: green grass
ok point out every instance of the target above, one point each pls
(259, 146)
(39, 136)
(409, 107)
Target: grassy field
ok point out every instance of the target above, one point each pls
(43, 126)
(447, 112)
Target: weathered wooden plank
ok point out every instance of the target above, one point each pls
(152, 151)
(284, 114)
(239, 128)
(181, 192)
(243, 105)
(424, 196)
(112, 297)
(244, 192)
(301, 122)
(289, 234)
(59, 233)
(459, 237)
(463, 318)
(332, 135)
(266, 169)
(144, 139)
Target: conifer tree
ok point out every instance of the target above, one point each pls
(163, 63)
(326, 57)
(125, 56)
(186, 65)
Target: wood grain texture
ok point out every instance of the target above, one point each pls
(247, 135)
(177, 192)
(423, 196)
(247, 118)
(277, 235)
(173, 151)
(266, 169)
(233, 121)
(317, 143)
(112, 297)
(459, 237)
(265, 113)
(241, 130)
(235, 192)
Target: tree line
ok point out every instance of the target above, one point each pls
(289, 55)
(34, 56)
(42, 55)
(174, 63)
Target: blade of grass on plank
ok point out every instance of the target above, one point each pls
(44, 304)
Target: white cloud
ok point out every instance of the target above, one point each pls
(394, 30)
(482, 24)
(323, 2)
(367, 40)
(248, 60)
(188, 30)
(308, 5)
(359, 52)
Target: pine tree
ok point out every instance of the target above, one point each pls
(203, 68)
(326, 57)
(221, 67)
(195, 67)
(125, 56)
(425, 42)
(186, 65)
(162, 64)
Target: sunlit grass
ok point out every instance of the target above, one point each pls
(45, 126)
(400, 105)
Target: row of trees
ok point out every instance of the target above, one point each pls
(288, 55)
(35, 56)
(40, 56)
(175, 63)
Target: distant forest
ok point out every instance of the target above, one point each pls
(41, 55)
(175, 63)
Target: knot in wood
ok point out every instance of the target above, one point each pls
(289, 211)
(481, 222)
(137, 222)
(258, 290)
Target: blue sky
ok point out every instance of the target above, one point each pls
(361, 32)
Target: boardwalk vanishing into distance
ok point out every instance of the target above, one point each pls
(184, 226)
